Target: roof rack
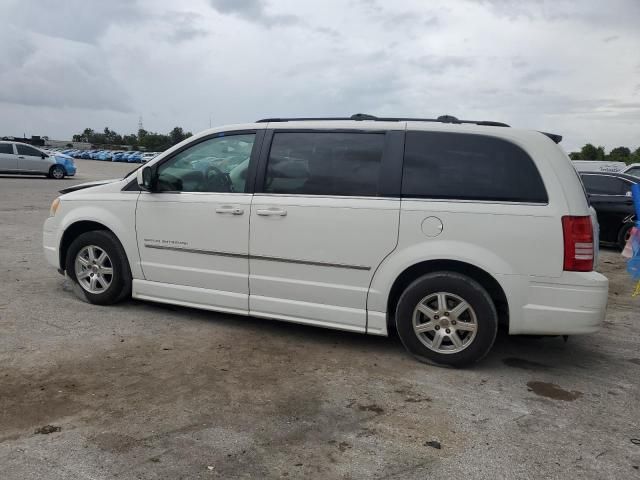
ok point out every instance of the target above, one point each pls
(441, 119)
(365, 116)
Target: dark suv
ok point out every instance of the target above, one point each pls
(610, 195)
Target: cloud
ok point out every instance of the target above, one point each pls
(555, 66)
(60, 73)
(77, 20)
(440, 64)
(254, 11)
(184, 26)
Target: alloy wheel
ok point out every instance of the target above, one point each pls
(94, 269)
(444, 322)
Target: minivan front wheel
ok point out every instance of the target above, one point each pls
(97, 262)
(57, 172)
(447, 318)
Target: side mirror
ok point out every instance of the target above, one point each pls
(144, 176)
(44, 155)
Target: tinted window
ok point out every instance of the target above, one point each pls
(27, 150)
(325, 163)
(215, 165)
(469, 167)
(6, 148)
(605, 185)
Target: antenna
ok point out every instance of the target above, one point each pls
(140, 123)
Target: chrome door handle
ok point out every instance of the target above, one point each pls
(271, 212)
(230, 209)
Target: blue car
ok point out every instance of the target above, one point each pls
(135, 157)
(67, 163)
(87, 154)
(117, 157)
(104, 155)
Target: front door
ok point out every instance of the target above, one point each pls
(30, 159)
(193, 230)
(8, 158)
(319, 226)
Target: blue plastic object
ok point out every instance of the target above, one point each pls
(635, 192)
(633, 264)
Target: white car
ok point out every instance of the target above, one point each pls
(439, 228)
(633, 170)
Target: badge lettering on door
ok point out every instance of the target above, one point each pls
(155, 241)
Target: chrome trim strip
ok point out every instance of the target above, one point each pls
(257, 257)
(196, 250)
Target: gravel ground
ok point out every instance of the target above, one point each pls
(141, 390)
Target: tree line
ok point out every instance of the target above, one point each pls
(618, 154)
(150, 141)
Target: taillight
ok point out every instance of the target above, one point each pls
(578, 244)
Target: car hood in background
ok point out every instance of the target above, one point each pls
(82, 186)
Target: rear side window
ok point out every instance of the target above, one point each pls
(324, 163)
(6, 148)
(469, 167)
(635, 171)
(605, 185)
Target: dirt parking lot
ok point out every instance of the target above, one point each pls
(149, 391)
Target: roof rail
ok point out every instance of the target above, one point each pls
(365, 116)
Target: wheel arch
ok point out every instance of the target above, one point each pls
(484, 278)
(73, 231)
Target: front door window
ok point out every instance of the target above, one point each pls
(217, 164)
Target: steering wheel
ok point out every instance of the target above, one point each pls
(219, 180)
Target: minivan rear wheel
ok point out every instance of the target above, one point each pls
(97, 262)
(446, 318)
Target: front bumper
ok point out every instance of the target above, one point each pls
(50, 243)
(575, 303)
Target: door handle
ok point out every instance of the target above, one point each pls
(20, 156)
(230, 209)
(271, 212)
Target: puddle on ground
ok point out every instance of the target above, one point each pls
(553, 391)
(524, 364)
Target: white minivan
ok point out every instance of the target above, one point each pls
(442, 229)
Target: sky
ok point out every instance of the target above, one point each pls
(568, 67)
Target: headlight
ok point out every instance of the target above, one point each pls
(54, 207)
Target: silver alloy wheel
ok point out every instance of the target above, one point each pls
(445, 323)
(57, 173)
(94, 269)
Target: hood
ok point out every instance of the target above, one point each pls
(82, 186)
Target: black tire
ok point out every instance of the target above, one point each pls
(57, 171)
(623, 235)
(455, 284)
(120, 287)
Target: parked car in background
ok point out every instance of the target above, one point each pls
(610, 196)
(439, 229)
(598, 166)
(105, 155)
(135, 157)
(21, 158)
(146, 156)
(117, 157)
(633, 170)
